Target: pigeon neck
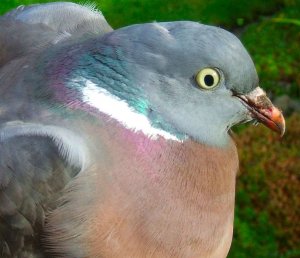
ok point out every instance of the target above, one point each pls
(107, 88)
(104, 102)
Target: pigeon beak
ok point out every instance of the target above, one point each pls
(262, 109)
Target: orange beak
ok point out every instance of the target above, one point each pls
(262, 109)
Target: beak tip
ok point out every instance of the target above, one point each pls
(282, 129)
(278, 118)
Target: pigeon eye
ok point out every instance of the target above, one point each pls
(208, 78)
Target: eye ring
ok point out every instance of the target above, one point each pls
(208, 78)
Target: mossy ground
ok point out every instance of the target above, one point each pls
(267, 210)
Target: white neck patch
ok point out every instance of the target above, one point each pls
(118, 109)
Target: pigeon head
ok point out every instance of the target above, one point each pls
(187, 79)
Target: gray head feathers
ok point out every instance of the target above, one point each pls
(160, 60)
(63, 17)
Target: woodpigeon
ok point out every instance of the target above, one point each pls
(115, 143)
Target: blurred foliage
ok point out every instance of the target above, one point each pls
(226, 13)
(267, 210)
(274, 46)
(268, 188)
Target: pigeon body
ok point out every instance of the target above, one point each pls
(115, 143)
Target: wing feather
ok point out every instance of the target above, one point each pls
(28, 29)
(33, 173)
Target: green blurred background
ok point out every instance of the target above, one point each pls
(268, 204)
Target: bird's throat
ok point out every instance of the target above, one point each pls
(161, 198)
(169, 190)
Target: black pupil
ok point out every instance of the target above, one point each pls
(209, 80)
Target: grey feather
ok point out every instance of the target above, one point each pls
(37, 173)
(63, 17)
(29, 29)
